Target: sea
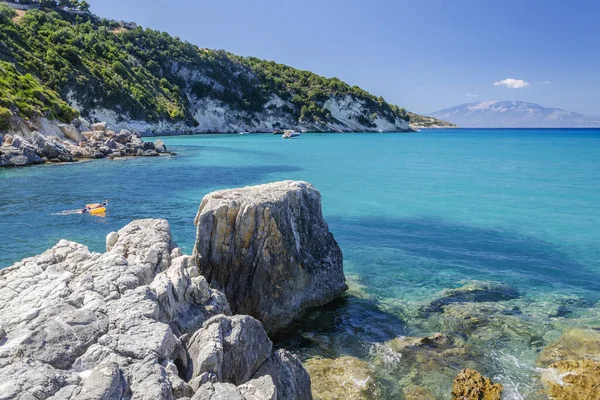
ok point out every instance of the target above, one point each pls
(415, 214)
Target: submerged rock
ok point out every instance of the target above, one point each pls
(122, 324)
(269, 250)
(343, 378)
(576, 344)
(471, 385)
(474, 291)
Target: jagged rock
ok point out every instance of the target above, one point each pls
(576, 344)
(573, 379)
(218, 391)
(99, 126)
(229, 348)
(7, 140)
(17, 157)
(49, 148)
(474, 291)
(289, 376)
(259, 389)
(345, 378)
(160, 147)
(69, 313)
(471, 385)
(110, 143)
(70, 131)
(103, 383)
(82, 125)
(269, 250)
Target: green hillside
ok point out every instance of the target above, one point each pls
(51, 57)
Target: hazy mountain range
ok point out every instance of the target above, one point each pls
(514, 114)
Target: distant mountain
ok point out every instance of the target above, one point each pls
(513, 114)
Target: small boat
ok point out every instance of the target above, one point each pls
(290, 134)
(100, 210)
(244, 133)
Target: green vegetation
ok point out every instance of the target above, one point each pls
(49, 55)
(74, 5)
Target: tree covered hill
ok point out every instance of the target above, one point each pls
(55, 63)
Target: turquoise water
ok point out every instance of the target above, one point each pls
(413, 213)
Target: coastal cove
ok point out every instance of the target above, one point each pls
(414, 214)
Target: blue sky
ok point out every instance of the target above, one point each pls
(421, 54)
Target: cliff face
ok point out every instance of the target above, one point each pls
(148, 81)
(216, 116)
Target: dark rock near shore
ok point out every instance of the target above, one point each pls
(473, 292)
(268, 248)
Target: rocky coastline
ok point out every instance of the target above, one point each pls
(140, 321)
(51, 142)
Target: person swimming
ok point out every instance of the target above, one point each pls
(96, 205)
(88, 207)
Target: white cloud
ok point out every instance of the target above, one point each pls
(512, 83)
(471, 95)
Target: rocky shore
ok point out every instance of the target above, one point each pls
(72, 142)
(140, 321)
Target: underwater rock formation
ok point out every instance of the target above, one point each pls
(343, 378)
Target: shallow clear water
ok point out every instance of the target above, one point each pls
(414, 214)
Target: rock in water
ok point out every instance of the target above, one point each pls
(269, 250)
(571, 379)
(471, 385)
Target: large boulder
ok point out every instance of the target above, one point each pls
(160, 147)
(289, 376)
(269, 250)
(50, 148)
(17, 152)
(229, 349)
(99, 126)
(71, 132)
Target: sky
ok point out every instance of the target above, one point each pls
(423, 55)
